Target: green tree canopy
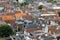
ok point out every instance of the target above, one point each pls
(52, 1)
(40, 7)
(17, 0)
(24, 3)
(59, 14)
(5, 30)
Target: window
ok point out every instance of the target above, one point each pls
(17, 0)
(58, 22)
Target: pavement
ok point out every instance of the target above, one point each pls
(2, 38)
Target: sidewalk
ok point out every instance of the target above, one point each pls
(2, 38)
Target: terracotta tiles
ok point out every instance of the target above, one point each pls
(8, 17)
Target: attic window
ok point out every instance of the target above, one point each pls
(59, 14)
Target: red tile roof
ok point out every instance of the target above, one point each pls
(8, 17)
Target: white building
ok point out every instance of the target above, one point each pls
(21, 1)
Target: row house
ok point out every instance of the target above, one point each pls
(54, 29)
(15, 17)
(53, 10)
(8, 19)
(4, 2)
(32, 30)
(56, 9)
(52, 16)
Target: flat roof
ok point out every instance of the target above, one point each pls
(56, 7)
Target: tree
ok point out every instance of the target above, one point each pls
(40, 7)
(17, 0)
(5, 30)
(59, 14)
(53, 1)
(24, 3)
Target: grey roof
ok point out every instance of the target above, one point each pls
(31, 26)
